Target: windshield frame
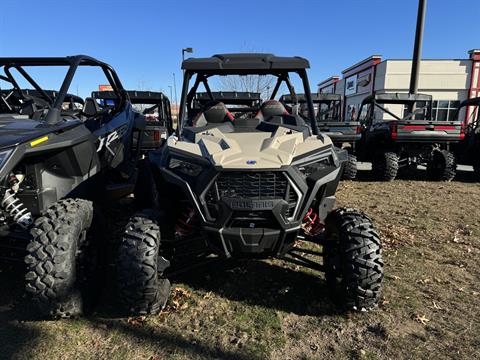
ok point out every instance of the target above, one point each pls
(201, 77)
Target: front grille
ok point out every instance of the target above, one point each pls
(253, 185)
(266, 185)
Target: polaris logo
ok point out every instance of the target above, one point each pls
(251, 205)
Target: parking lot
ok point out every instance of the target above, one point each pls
(265, 309)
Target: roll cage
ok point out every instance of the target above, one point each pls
(250, 99)
(411, 101)
(156, 99)
(332, 104)
(69, 98)
(316, 98)
(474, 114)
(242, 64)
(72, 62)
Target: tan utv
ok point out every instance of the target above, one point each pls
(246, 184)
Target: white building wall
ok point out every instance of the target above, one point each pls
(381, 73)
(450, 78)
(448, 81)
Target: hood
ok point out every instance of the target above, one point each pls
(16, 129)
(252, 150)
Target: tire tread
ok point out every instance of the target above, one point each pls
(51, 274)
(141, 289)
(360, 252)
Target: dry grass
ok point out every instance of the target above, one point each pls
(256, 310)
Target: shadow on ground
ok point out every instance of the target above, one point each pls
(16, 336)
(252, 282)
(264, 284)
(19, 324)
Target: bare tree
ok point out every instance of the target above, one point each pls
(262, 84)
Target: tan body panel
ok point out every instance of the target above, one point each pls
(251, 150)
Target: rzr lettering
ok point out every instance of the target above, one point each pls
(108, 139)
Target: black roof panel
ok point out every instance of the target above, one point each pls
(230, 63)
(396, 98)
(139, 97)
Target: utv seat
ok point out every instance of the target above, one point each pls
(213, 113)
(92, 114)
(269, 109)
(273, 113)
(91, 108)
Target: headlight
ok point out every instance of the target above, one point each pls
(311, 168)
(185, 167)
(4, 155)
(313, 163)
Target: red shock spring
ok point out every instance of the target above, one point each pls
(311, 223)
(186, 222)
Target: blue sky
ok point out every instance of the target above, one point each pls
(143, 39)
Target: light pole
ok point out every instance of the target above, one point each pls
(171, 96)
(175, 89)
(417, 48)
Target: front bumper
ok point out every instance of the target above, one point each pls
(239, 220)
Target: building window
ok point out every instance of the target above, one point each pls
(442, 110)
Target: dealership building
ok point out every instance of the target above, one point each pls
(448, 81)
